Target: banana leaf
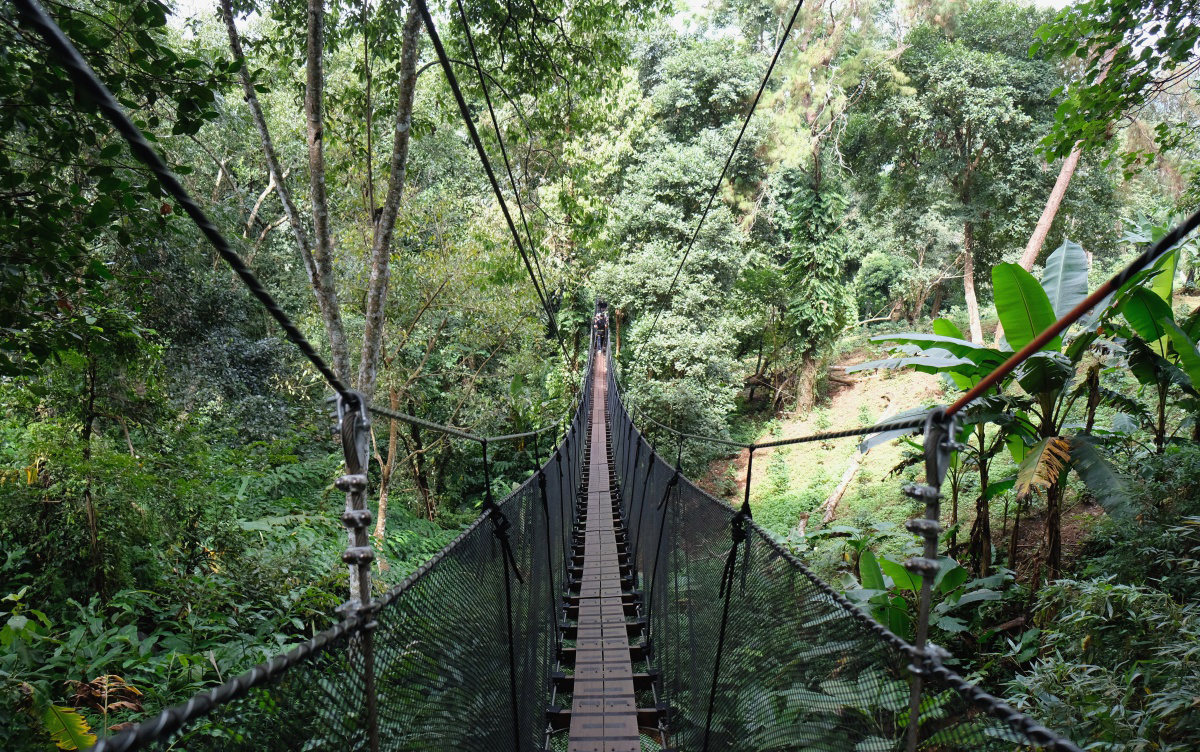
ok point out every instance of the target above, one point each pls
(1023, 307)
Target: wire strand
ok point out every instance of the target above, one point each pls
(452, 80)
(487, 97)
(728, 161)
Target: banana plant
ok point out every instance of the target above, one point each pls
(1033, 420)
(1161, 352)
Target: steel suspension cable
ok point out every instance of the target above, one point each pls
(487, 97)
(729, 160)
(90, 85)
(465, 112)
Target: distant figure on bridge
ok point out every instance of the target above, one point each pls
(600, 329)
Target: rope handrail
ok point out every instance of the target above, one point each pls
(907, 424)
(459, 433)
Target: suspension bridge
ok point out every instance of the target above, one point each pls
(608, 604)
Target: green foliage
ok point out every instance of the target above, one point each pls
(879, 282)
(61, 167)
(1130, 51)
(1120, 665)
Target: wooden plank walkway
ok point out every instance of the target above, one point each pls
(603, 711)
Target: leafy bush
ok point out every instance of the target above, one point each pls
(880, 281)
(1121, 665)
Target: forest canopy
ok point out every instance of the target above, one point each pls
(916, 188)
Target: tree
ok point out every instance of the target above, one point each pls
(1131, 53)
(955, 136)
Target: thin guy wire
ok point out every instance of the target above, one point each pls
(503, 151)
(729, 160)
(90, 85)
(452, 80)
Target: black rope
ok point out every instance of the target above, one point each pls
(459, 433)
(729, 160)
(465, 111)
(908, 424)
(173, 719)
(90, 86)
(503, 151)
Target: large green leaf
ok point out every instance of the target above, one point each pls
(1163, 284)
(1065, 278)
(1145, 311)
(950, 575)
(1185, 348)
(67, 728)
(869, 572)
(1109, 488)
(953, 345)
(1044, 372)
(946, 328)
(920, 363)
(1017, 448)
(1022, 305)
(902, 578)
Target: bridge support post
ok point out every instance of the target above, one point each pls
(940, 440)
(354, 427)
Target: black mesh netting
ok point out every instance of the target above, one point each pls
(800, 668)
(443, 668)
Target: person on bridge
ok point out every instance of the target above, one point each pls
(600, 329)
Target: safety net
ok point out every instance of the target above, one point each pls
(757, 653)
(458, 655)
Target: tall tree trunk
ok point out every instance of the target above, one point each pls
(89, 506)
(381, 247)
(936, 305)
(806, 383)
(980, 548)
(314, 115)
(421, 475)
(1053, 531)
(1016, 530)
(387, 468)
(330, 313)
(969, 281)
(1067, 171)
(1034, 247)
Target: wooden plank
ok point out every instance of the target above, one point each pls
(604, 715)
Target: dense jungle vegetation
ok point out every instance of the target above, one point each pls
(924, 186)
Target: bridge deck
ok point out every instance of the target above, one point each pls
(603, 711)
